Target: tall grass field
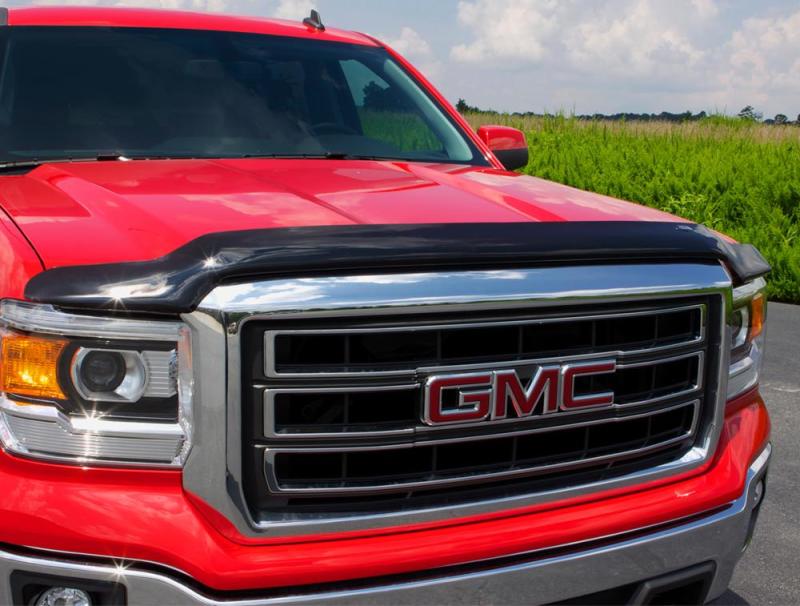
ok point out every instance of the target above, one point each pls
(740, 178)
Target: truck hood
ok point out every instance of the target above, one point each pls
(108, 212)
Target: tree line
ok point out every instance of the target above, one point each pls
(747, 113)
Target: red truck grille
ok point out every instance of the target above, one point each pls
(333, 410)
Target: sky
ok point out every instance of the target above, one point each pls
(582, 56)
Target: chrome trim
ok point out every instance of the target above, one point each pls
(269, 412)
(35, 430)
(506, 434)
(270, 336)
(744, 374)
(582, 569)
(135, 367)
(213, 470)
(391, 294)
(483, 388)
(423, 373)
(746, 292)
(739, 338)
(45, 433)
(33, 317)
(90, 425)
(741, 366)
(323, 490)
(162, 380)
(154, 368)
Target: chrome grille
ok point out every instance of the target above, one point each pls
(265, 405)
(456, 461)
(393, 410)
(399, 350)
(341, 405)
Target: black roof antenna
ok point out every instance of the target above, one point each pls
(314, 21)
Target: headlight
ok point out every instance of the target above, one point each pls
(747, 326)
(80, 388)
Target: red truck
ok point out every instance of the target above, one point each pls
(277, 327)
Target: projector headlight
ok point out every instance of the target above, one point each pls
(747, 326)
(84, 388)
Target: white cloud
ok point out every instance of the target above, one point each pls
(706, 8)
(415, 48)
(518, 30)
(763, 60)
(625, 36)
(640, 41)
(409, 43)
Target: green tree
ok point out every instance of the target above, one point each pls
(750, 113)
(465, 108)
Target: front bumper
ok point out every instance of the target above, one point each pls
(718, 537)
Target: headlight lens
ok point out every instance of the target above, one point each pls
(747, 326)
(90, 389)
(103, 372)
(111, 375)
(29, 366)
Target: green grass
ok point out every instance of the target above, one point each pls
(737, 177)
(406, 131)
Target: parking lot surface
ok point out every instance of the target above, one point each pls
(769, 573)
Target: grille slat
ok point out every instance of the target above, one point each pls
(397, 350)
(398, 469)
(341, 405)
(295, 412)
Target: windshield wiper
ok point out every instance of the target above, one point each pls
(28, 165)
(23, 166)
(20, 165)
(320, 156)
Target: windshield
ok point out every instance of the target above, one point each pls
(80, 92)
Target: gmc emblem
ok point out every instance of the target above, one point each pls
(499, 394)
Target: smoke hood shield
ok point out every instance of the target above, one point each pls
(177, 282)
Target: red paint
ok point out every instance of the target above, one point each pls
(502, 138)
(476, 402)
(106, 212)
(88, 213)
(97, 16)
(146, 515)
(543, 386)
(18, 261)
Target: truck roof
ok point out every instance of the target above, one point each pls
(96, 16)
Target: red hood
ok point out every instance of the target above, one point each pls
(105, 212)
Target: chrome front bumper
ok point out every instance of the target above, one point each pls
(719, 538)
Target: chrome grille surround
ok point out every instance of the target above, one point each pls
(214, 470)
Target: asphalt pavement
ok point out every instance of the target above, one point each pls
(769, 573)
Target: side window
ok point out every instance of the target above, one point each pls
(386, 113)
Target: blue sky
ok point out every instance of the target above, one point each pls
(581, 55)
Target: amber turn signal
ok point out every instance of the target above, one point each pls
(28, 366)
(757, 317)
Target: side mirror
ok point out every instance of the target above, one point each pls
(508, 144)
